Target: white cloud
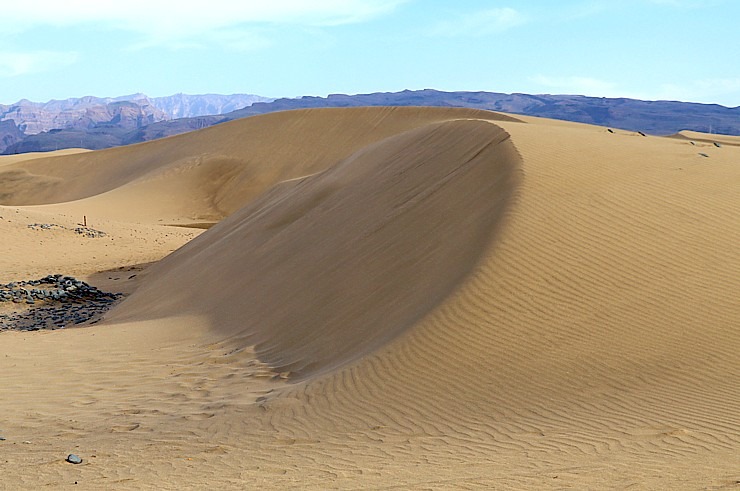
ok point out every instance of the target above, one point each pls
(576, 85)
(13, 64)
(480, 23)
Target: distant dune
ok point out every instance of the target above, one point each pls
(413, 298)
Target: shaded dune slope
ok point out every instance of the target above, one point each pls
(211, 173)
(327, 268)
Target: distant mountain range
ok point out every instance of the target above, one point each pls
(97, 123)
(100, 122)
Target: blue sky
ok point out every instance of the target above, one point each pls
(648, 49)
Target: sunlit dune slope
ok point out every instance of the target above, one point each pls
(598, 318)
(325, 268)
(208, 174)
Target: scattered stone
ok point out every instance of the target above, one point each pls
(55, 302)
(74, 459)
(85, 231)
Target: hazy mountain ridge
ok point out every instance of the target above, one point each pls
(34, 117)
(188, 106)
(653, 117)
(86, 119)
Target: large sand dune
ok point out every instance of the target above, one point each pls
(397, 298)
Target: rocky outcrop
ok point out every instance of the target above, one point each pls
(130, 112)
(33, 118)
(95, 122)
(9, 134)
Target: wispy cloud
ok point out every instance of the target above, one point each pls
(183, 18)
(242, 40)
(236, 25)
(703, 90)
(580, 10)
(690, 4)
(709, 90)
(13, 64)
(481, 23)
(680, 3)
(575, 85)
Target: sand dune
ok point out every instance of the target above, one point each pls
(334, 265)
(414, 299)
(708, 138)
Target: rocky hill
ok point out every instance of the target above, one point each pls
(34, 117)
(9, 133)
(97, 122)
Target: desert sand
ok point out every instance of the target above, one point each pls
(381, 298)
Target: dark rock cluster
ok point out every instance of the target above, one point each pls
(55, 302)
(86, 231)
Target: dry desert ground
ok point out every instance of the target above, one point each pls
(379, 298)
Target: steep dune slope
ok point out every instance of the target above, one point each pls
(326, 268)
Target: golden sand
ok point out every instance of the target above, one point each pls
(405, 298)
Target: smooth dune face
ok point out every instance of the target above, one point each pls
(422, 299)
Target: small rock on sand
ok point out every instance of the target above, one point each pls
(74, 459)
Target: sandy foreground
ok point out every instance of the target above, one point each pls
(380, 298)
